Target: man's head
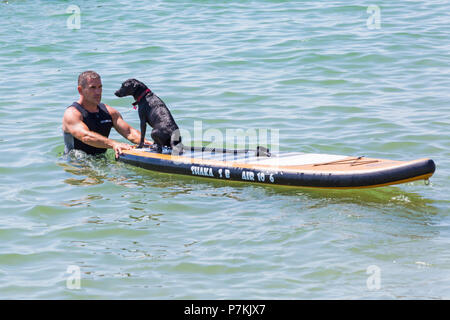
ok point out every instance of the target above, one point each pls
(131, 87)
(90, 87)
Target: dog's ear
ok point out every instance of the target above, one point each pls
(136, 83)
(139, 84)
(132, 84)
(128, 83)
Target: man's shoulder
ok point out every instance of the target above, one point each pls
(71, 117)
(72, 112)
(112, 111)
(109, 107)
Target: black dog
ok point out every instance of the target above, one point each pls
(152, 110)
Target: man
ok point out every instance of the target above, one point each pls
(88, 122)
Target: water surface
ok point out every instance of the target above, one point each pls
(323, 76)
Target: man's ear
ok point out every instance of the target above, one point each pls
(79, 90)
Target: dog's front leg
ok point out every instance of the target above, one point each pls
(143, 120)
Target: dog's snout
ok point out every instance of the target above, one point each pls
(117, 93)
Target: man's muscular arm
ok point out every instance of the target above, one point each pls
(73, 124)
(124, 128)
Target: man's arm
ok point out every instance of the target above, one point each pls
(73, 124)
(127, 131)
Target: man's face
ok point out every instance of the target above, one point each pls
(92, 92)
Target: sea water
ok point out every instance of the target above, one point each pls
(337, 77)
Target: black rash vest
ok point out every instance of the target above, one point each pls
(100, 122)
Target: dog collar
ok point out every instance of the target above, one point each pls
(139, 98)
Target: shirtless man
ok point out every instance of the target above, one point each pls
(88, 122)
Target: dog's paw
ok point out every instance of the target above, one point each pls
(156, 147)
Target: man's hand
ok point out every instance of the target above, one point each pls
(119, 147)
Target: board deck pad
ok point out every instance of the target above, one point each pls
(293, 169)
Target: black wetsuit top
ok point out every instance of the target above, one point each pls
(100, 122)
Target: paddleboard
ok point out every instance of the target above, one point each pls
(290, 169)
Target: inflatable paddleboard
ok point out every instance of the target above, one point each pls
(291, 169)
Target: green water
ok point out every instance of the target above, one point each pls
(329, 77)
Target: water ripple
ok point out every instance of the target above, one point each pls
(314, 71)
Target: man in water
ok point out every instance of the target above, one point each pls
(88, 122)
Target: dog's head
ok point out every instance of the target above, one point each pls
(131, 87)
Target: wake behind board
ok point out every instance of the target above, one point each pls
(291, 169)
